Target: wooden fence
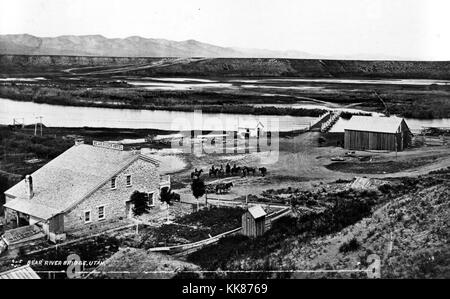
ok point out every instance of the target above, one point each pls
(187, 248)
(184, 249)
(432, 140)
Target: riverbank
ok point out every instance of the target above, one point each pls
(138, 99)
(237, 95)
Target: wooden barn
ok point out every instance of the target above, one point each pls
(377, 133)
(254, 222)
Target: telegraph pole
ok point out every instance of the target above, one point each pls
(40, 124)
(17, 121)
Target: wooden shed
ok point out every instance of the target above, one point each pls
(254, 222)
(377, 133)
(253, 128)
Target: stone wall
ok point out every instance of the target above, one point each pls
(145, 178)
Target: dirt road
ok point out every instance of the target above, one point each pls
(300, 163)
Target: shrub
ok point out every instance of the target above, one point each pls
(140, 201)
(385, 188)
(198, 188)
(349, 246)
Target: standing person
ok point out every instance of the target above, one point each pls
(228, 169)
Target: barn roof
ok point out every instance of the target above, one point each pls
(24, 272)
(379, 124)
(69, 178)
(257, 211)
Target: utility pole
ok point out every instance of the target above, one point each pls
(40, 124)
(386, 109)
(17, 121)
(396, 145)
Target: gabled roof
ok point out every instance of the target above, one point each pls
(380, 124)
(24, 272)
(69, 178)
(257, 211)
(251, 124)
(31, 207)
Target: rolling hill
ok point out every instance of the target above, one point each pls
(133, 46)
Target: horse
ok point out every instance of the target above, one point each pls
(263, 171)
(250, 169)
(223, 187)
(210, 188)
(196, 173)
(213, 171)
(235, 170)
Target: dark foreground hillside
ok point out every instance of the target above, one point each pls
(240, 67)
(405, 222)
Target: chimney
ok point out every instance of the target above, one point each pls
(29, 186)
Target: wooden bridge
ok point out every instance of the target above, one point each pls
(327, 125)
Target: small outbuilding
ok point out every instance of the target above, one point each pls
(253, 128)
(377, 133)
(254, 221)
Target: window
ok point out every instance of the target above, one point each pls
(129, 181)
(101, 212)
(87, 216)
(151, 200)
(113, 183)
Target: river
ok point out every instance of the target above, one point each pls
(71, 116)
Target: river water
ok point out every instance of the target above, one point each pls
(69, 116)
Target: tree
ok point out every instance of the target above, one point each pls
(166, 195)
(198, 188)
(140, 203)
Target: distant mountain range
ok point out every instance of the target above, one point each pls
(133, 46)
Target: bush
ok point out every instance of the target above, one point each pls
(140, 201)
(385, 188)
(349, 246)
(346, 211)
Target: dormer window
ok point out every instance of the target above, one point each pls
(113, 183)
(129, 180)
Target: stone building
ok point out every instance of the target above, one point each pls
(85, 185)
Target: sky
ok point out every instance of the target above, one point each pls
(414, 29)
